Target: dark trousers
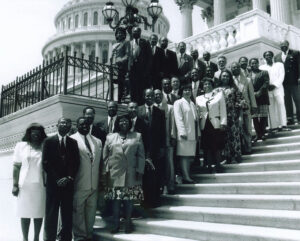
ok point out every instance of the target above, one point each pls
(58, 198)
(291, 93)
(128, 206)
(260, 124)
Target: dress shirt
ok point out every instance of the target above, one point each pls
(207, 63)
(166, 96)
(60, 138)
(147, 108)
(175, 92)
(89, 139)
(153, 49)
(195, 86)
(284, 55)
(91, 127)
(133, 123)
(113, 119)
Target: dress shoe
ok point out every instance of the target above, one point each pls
(290, 122)
(128, 228)
(188, 182)
(171, 192)
(115, 230)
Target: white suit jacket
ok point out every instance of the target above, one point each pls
(214, 107)
(276, 74)
(88, 173)
(185, 114)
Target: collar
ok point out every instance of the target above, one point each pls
(286, 52)
(61, 138)
(147, 106)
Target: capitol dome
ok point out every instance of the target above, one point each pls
(81, 26)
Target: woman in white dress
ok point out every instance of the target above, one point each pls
(188, 131)
(28, 184)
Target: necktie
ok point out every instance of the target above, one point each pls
(169, 99)
(88, 147)
(149, 114)
(110, 126)
(62, 148)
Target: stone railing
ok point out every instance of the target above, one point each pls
(246, 27)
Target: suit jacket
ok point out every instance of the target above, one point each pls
(172, 98)
(98, 132)
(184, 117)
(120, 55)
(54, 165)
(213, 108)
(170, 121)
(88, 173)
(139, 63)
(246, 87)
(260, 85)
(123, 159)
(155, 136)
(170, 65)
(102, 126)
(140, 127)
(291, 67)
(156, 71)
(185, 65)
(213, 66)
(201, 66)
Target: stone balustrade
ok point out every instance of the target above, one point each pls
(246, 27)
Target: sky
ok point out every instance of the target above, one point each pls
(27, 24)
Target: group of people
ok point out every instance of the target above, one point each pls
(200, 109)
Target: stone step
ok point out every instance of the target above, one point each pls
(293, 132)
(263, 166)
(271, 188)
(276, 148)
(246, 177)
(272, 156)
(279, 202)
(104, 235)
(278, 140)
(241, 216)
(214, 231)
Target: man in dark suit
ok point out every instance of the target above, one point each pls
(167, 91)
(120, 54)
(89, 113)
(154, 144)
(60, 162)
(291, 60)
(185, 63)
(206, 60)
(243, 61)
(197, 85)
(138, 124)
(107, 125)
(158, 56)
(170, 65)
(139, 66)
(198, 64)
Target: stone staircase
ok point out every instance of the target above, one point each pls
(257, 200)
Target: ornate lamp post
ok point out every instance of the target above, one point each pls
(132, 17)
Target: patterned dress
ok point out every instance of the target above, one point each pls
(234, 105)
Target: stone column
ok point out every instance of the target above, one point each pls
(110, 44)
(186, 9)
(72, 50)
(219, 12)
(83, 50)
(280, 10)
(97, 51)
(260, 4)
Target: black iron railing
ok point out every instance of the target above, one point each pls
(61, 75)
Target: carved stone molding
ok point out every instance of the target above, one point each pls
(183, 4)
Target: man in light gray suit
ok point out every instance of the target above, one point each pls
(86, 182)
